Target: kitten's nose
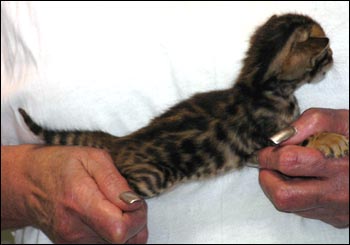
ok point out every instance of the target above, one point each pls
(330, 52)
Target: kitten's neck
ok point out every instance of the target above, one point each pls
(283, 88)
(272, 85)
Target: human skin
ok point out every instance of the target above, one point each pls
(301, 180)
(70, 193)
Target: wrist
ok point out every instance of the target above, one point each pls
(15, 186)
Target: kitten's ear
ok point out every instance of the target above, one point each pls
(271, 18)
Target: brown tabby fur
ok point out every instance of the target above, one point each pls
(330, 144)
(213, 132)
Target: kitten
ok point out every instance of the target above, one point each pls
(213, 132)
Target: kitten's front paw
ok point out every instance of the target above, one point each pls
(330, 144)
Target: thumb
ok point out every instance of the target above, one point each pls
(110, 182)
(318, 120)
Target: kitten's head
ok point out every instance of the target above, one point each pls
(290, 48)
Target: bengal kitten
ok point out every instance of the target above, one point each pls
(213, 132)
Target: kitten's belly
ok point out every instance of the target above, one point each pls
(210, 168)
(232, 160)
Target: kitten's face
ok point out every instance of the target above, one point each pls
(308, 56)
(291, 48)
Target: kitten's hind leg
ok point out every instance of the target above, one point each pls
(330, 144)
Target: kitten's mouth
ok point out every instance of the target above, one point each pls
(323, 64)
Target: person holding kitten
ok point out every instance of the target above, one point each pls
(296, 179)
(73, 194)
(301, 180)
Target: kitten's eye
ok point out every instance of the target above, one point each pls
(303, 36)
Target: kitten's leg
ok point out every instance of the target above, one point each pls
(330, 144)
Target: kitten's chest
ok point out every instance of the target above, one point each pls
(288, 113)
(283, 112)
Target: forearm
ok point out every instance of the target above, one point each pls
(14, 186)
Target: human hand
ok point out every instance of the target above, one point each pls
(73, 195)
(301, 180)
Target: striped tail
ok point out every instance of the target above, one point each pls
(95, 139)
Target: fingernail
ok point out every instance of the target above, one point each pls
(252, 165)
(254, 162)
(130, 197)
(283, 135)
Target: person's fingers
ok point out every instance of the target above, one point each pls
(290, 195)
(317, 120)
(341, 221)
(106, 219)
(323, 214)
(294, 160)
(135, 221)
(114, 221)
(64, 234)
(139, 238)
(97, 212)
(111, 183)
